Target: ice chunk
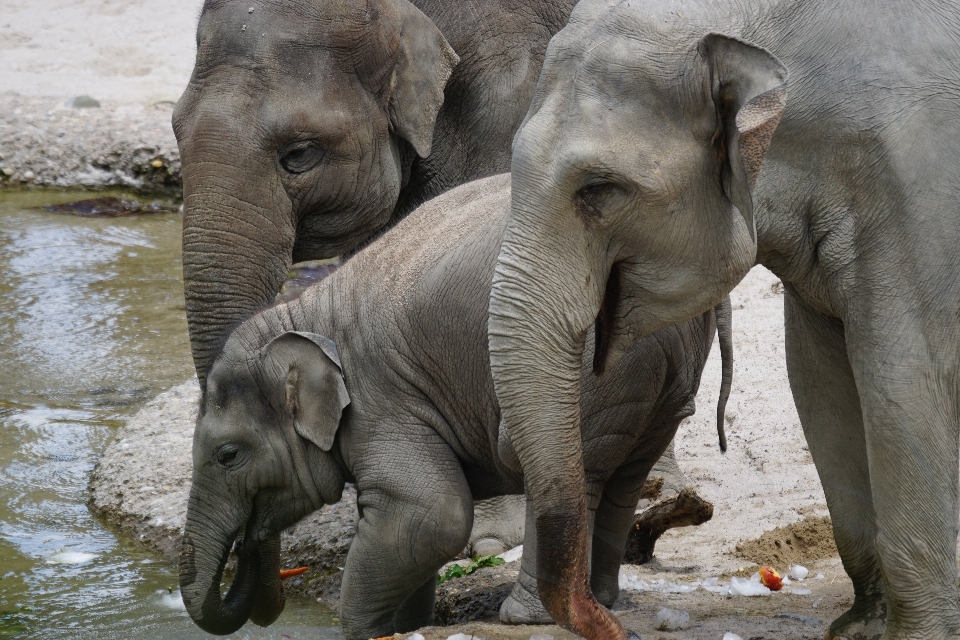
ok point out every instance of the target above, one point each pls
(512, 554)
(463, 636)
(713, 586)
(751, 587)
(415, 636)
(798, 571)
(671, 620)
(731, 636)
(71, 557)
(801, 592)
(635, 583)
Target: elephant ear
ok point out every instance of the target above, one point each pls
(423, 65)
(314, 394)
(748, 85)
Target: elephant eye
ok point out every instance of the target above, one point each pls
(227, 454)
(593, 199)
(300, 156)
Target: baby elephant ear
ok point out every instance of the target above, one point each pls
(423, 66)
(749, 91)
(314, 394)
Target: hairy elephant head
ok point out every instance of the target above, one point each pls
(631, 210)
(296, 130)
(261, 461)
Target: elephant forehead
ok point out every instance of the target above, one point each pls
(290, 37)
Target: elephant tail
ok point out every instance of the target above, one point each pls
(724, 314)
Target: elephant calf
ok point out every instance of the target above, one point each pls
(379, 375)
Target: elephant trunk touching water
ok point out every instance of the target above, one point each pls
(256, 593)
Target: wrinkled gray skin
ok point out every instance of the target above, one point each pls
(419, 435)
(637, 193)
(308, 124)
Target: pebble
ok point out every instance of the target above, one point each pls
(84, 102)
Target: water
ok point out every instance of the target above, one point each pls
(92, 325)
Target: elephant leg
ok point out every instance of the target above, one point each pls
(828, 404)
(415, 519)
(612, 524)
(905, 367)
(523, 605)
(674, 480)
(498, 525)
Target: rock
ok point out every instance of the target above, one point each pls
(116, 145)
(110, 207)
(477, 596)
(83, 102)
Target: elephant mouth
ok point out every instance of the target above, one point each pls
(606, 321)
(256, 593)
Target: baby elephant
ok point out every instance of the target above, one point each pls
(379, 375)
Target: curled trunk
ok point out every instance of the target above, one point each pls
(255, 594)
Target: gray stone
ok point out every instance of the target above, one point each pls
(83, 102)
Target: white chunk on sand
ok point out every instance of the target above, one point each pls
(745, 587)
(512, 554)
(671, 619)
(798, 571)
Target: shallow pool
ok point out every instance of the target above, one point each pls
(92, 326)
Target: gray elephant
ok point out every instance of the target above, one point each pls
(638, 198)
(379, 375)
(308, 124)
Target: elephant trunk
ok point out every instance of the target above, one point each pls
(256, 593)
(541, 306)
(237, 249)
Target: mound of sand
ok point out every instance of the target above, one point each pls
(798, 543)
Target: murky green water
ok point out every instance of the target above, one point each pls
(91, 327)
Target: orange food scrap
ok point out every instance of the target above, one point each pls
(770, 578)
(289, 573)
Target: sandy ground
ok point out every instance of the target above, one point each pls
(134, 57)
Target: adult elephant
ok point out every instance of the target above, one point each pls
(308, 124)
(639, 201)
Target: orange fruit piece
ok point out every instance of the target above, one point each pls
(289, 573)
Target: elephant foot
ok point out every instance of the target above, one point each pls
(861, 622)
(498, 525)
(685, 510)
(487, 547)
(523, 605)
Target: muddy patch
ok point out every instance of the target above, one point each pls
(804, 541)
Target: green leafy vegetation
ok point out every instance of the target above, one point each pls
(458, 570)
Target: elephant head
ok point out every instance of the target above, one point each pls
(296, 133)
(262, 460)
(631, 210)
